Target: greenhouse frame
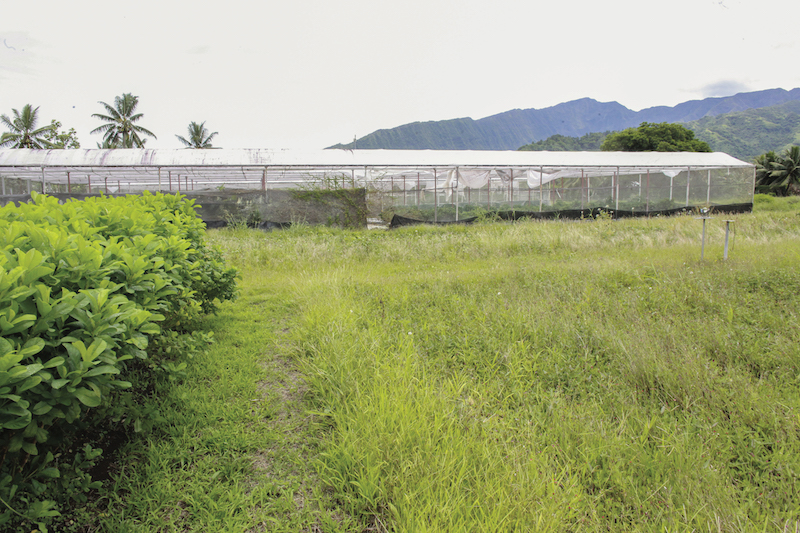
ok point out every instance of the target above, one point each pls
(446, 183)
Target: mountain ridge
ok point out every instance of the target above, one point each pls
(514, 128)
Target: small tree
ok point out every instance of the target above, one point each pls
(63, 139)
(663, 137)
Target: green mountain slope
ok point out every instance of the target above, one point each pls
(750, 133)
(744, 135)
(512, 129)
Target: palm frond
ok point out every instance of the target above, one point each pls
(184, 141)
(140, 129)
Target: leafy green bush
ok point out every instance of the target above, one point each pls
(84, 287)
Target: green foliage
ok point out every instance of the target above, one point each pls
(84, 287)
(779, 175)
(63, 139)
(120, 130)
(199, 137)
(336, 191)
(770, 203)
(22, 130)
(469, 383)
(581, 376)
(746, 134)
(561, 143)
(663, 137)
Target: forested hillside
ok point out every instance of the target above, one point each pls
(561, 143)
(515, 128)
(750, 133)
(744, 134)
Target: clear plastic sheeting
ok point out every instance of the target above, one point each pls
(536, 178)
(418, 182)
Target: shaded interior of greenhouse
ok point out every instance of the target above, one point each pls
(405, 185)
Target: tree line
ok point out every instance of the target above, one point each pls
(777, 174)
(119, 129)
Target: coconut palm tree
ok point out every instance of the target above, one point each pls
(764, 170)
(779, 174)
(198, 136)
(786, 173)
(23, 132)
(120, 130)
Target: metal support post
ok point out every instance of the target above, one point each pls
(435, 197)
(541, 194)
(456, 193)
(511, 191)
(703, 240)
(670, 188)
(489, 191)
(582, 187)
(727, 231)
(688, 181)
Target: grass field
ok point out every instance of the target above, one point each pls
(536, 376)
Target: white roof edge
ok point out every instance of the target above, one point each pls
(357, 158)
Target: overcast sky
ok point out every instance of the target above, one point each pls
(306, 74)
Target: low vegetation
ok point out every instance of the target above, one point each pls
(536, 376)
(99, 300)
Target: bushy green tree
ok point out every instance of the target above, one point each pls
(198, 136)
(120, 130)
(22, 130)
(649, 137)
(779, 174)
(61, 139)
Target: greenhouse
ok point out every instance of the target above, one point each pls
(419, 184)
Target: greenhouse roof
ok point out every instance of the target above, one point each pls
(222, 165)
(355, 158)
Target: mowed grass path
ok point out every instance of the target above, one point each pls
(536, 376)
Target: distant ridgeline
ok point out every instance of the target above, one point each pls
(744, 125)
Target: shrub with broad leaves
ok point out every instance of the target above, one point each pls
(84, 287)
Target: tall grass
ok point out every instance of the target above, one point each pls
(542, 376)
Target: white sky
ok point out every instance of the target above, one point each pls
(306, 74)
